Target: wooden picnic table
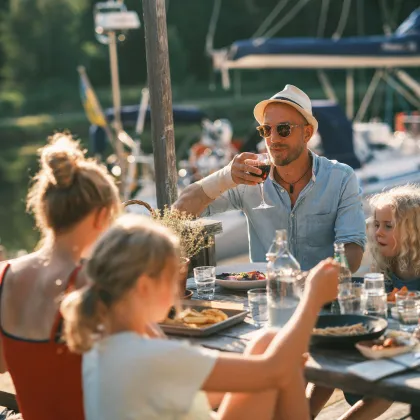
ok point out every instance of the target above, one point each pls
(326, 366)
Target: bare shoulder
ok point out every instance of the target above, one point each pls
(22, 265)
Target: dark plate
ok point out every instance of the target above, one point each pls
(375, 326)
(223, 276)
(235, 315)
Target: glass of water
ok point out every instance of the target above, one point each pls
(205, 280)
(257, 300)
(350, 297)
(408, 305)
(374, 300)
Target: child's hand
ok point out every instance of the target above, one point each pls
(323, 281)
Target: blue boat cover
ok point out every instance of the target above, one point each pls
(181, 114)
(405, 42)
(97, 136)
(336, 132)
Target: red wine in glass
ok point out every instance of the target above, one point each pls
(265, 169)
(263, 163)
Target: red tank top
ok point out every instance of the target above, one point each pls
(47, 377)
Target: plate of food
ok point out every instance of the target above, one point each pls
(347, 330)
(391, 344)
(242, 276)
(203, 318)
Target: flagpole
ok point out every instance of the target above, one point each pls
(101, 121)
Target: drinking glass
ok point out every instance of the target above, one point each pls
(265, 166)
(408, 306)
(257, 301)
(205, 280)
(350, 298)
(374, 282)
(374, 300)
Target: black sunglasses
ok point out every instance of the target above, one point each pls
(283, 129)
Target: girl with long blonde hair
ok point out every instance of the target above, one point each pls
(127, 375)
(73, 200)
(394, 243)
(394, 236)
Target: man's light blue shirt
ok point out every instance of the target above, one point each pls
(329, 209)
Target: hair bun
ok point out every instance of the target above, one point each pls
(60, 158)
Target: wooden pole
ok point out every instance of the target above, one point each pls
(158, 73)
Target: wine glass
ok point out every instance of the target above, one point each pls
(262, 163)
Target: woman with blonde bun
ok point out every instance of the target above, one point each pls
(73, 200)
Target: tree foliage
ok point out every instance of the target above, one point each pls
(43, 41)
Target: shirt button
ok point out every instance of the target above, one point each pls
(282, 191)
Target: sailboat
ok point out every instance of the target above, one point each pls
(380, 158)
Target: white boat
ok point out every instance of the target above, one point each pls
(381, 159)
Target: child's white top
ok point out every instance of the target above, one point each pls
(130, 377)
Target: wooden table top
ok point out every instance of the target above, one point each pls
(328, 367)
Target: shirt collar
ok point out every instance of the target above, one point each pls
(315, 166)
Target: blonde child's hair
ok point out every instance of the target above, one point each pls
(134, 246)
(68, 186)
(404, 202)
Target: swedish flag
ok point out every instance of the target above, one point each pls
(90, 102)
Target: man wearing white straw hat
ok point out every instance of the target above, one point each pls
(317, 200)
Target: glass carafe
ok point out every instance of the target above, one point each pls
(283, 288)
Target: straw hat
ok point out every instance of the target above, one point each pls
(293, 96)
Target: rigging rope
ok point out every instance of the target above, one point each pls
(361, 32)
(286, 19)
(396, 12)
(212, 26)
(323, 18)
(388, 25)
(269, 19)
(345, 11)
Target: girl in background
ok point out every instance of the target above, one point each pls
(73, 200)
(394, 236)
(126, 375)
(394, 242)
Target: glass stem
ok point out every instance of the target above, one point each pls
(261, 185)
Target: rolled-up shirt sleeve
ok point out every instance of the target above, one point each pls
(350, 226)
(229, 200)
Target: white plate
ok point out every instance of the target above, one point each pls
(239, 268)
(386, 353)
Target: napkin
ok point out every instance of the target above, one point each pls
(410, 360)
(372, 370)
